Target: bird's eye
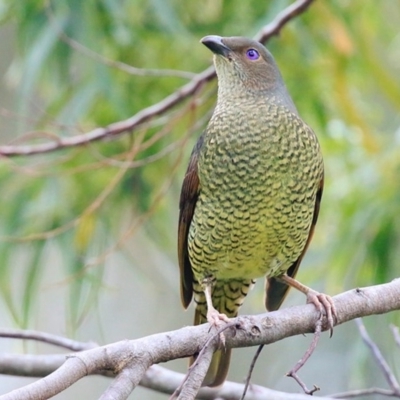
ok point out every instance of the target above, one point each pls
(252, 54)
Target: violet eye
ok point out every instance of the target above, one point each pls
(252, 54)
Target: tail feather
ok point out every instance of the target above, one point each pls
(227, 298)
(218, 369)
(219, 366)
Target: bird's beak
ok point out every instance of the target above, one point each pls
(215, 44)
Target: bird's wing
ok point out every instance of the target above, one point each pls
(189, 194)
(276, 291)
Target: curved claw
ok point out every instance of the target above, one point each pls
(325, 305)
(215, 318)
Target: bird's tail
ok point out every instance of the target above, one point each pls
(227, 297)
(219, 366)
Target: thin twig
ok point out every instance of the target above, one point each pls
(49, 338)
(117, 128)
(146, 114)
(363, 392)
(252, 365)
(384, 366)
(293, 372)
(74, 44)
(396, 334)
(290, 12)
(164, 381)
(92, 207)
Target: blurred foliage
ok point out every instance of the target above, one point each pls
(340, 60)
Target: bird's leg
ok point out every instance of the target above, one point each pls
(214, 317)
(321, 301)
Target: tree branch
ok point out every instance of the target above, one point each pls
(383, 365)
(164, 381)
(156, 109)
(47, 338)
(123, 385)
(138, 355)
(79, 47)
(396, 335)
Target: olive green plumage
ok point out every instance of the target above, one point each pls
(251, 194)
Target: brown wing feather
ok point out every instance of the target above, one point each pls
(276, 291)
(189, 194)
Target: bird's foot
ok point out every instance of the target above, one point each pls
(217, 319)
(324, 304)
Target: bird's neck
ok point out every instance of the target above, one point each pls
(228, 98)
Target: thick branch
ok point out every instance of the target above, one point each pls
(250, 331)
(124, 384)
(159, 108)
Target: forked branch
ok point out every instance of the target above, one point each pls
(131, 124)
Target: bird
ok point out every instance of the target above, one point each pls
(251, 194)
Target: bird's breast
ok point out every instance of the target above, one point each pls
(258, 180)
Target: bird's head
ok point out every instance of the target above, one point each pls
(244, 65)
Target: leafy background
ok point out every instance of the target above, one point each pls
(88, 234)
